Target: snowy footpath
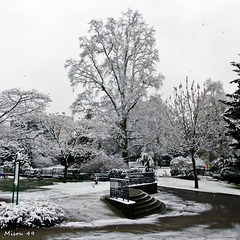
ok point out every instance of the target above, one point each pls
(87, 217)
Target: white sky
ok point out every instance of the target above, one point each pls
(198, 38)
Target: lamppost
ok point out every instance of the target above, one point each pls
(16, 176)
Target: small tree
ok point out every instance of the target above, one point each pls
(185, 114)
(62, 134)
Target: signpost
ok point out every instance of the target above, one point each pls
(16, 177)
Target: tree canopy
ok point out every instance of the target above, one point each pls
(117, 67)
(16, 103)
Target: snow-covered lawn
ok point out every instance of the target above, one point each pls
(206, 184)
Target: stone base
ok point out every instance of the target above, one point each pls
(140, 203)
(149, 188)
(127, 209)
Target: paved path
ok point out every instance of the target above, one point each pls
(224, 212)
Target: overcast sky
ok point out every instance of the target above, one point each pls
(195, 38)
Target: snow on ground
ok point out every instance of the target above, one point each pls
(77, 198)
(206, 184)
(61, 190)
(81, 201)
(163, 172)
(83, 208)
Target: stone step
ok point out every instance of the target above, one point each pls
(147, 204)
(155, 208)
(144, 201)
(141, 198)
(144, 204)
(136, 194)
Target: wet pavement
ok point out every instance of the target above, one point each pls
(224, 212)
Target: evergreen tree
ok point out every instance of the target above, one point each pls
(232, 113)
(230, 170)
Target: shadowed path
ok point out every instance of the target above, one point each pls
(224, 212)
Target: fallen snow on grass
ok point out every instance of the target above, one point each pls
(109, 222)
(206, 184)
(176, 206)
(61, 190)
(163, 172)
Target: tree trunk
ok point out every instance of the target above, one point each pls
(65, 171)
(194, 168)
(125, 150)
(124, 140)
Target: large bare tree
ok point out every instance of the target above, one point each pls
(117, 67)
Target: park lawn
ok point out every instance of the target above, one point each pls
(26, 184)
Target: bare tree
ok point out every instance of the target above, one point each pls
(62, 134)
(16, 103)
(186, 116)
(117, 67)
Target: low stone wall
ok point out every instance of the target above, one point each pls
(126, 208)
(149, 188)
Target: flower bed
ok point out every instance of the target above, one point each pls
(29, 215)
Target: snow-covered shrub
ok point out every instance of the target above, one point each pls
(117, 173)
(102, 162)
(231, 175)
(225, 169)
(183, 166)
(8, 166)
(29, 215)
(218, 164)
(135, 170)
(41, 161)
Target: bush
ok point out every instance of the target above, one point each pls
(183, 166)
(102, 162)
(230, 174)
(117, 173)
(225, 169)
(218, 164)
(29, 215)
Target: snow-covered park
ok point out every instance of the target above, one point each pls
(87, 217)
(97, 103)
